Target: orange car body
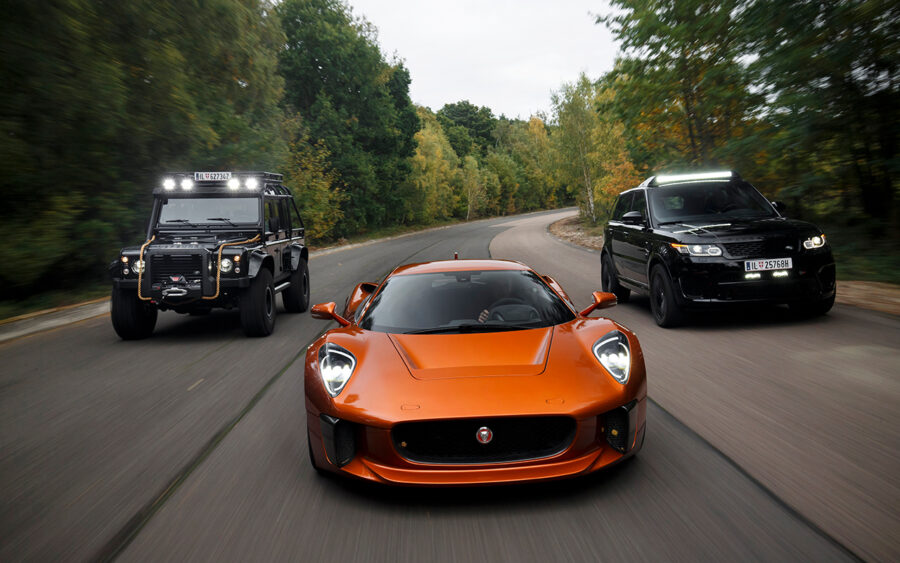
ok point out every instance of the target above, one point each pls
(539, 377)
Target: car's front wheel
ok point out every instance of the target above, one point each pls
(312, 458)
(296, 297)
(132, 318)
(609, 281)
(258, 305)
(666, 311)
(812, 308)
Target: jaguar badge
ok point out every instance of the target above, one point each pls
(484, 435)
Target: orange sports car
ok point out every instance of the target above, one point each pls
(467, 372)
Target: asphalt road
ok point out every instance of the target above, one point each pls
(782, 442)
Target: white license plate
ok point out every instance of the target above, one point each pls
(770, 264)
(211, 176)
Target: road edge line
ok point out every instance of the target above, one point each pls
(759, 484)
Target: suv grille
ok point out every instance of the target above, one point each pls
(746, 249)
(773, 247)
(454, 441)
(187, 265)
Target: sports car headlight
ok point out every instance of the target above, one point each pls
(138, 266)
(817, 241)
(613, 353)
(697, 249)
(336, 365)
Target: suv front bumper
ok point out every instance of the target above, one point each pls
(711, 281)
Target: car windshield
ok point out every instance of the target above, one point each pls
(208, 210)
(468, 301)
(705, 202)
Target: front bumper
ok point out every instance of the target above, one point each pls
(711, 281)
(368, 452)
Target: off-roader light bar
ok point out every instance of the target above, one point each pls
(697, 177)
(223, 181)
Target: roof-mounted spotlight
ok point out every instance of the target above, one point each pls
(187, 184)
(234, 184)
(169, 184)
(252, 183)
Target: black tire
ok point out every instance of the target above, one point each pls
(258, 305)
(666, 311)
(296, 297)
(609, 282)
(812, 308)
(312, 459)
(132, 318)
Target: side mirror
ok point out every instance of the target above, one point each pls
(325, 311)
(779, 206)
(602, 300)
(357, 296)
(633, 218)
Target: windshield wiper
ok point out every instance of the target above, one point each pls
(223, 219)
(470, 327)
(185, 221)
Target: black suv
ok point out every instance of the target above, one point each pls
(216, 239)
(699, 240)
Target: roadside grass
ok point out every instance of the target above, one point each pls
(858, 256)
(53, 299)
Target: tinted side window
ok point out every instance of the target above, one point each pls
(271, 217)
(623, 204)
(285, 215)
(639, 203)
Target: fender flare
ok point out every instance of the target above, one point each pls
(298, 253)
(259, 260)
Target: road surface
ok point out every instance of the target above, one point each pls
(768, 439)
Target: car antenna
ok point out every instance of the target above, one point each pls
(456, 255)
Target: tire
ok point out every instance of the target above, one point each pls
(312, 459)
(132, 318)
(609, 282)
(666, 311)
(258, 305)
(296, 297)
(812, 308)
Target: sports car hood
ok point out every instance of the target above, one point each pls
(442, 356)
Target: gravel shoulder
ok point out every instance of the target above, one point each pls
(875, 296)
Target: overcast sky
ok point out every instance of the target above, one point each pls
(504, 54)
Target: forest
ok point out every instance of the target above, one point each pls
(103, 97)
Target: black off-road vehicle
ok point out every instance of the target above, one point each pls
(215, 239)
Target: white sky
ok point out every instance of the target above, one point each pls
(504, 54)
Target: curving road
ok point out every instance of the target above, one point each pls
(769, 438)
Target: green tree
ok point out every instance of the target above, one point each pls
(478, 123)
(681, 89)
(353, 100)
(830, 71)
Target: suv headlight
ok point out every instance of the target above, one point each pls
(817, 241)
(697, 249)
(137, 266)
(614, 354)
(336, 365)
(226, 265)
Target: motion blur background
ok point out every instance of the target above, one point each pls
(101, 97)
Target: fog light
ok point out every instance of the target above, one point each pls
(752, 276)
(780, 274)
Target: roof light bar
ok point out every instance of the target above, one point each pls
(672, 178)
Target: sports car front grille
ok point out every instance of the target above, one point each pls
(455, 441)
(187, 265)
